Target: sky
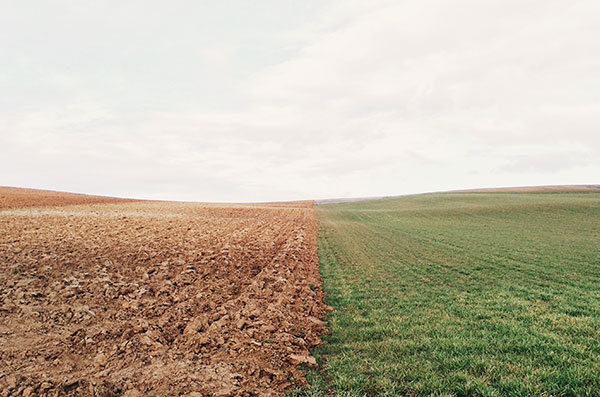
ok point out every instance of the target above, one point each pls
(242, 101)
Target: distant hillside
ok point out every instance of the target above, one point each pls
(517, 189)
(534, 189)
(349, 200)
(14, 197)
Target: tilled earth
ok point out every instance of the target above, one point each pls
(14, 197)
(154, 298)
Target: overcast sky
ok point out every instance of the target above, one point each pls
(280, 100)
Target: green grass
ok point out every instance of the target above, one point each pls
(461, 294)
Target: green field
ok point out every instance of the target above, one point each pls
(461, 294)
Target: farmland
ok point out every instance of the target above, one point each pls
(461, 294)
(12, 197)
(467, 293)
(107, 297)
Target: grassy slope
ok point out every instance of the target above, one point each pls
(462, 294)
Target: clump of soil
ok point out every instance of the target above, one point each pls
(151, 298)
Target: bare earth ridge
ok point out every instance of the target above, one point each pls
(14, 197)
(135, 298)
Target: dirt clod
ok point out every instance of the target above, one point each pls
(302, 359)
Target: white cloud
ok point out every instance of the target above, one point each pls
(283, 102)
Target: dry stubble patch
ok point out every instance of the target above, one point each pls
(148, 297)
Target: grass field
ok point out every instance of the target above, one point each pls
(461, 294)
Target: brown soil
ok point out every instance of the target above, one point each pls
(150, 298)
(14, 197)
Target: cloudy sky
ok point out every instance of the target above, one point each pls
(280, 100)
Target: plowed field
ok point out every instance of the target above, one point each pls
(12, 197)
(157, 298)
